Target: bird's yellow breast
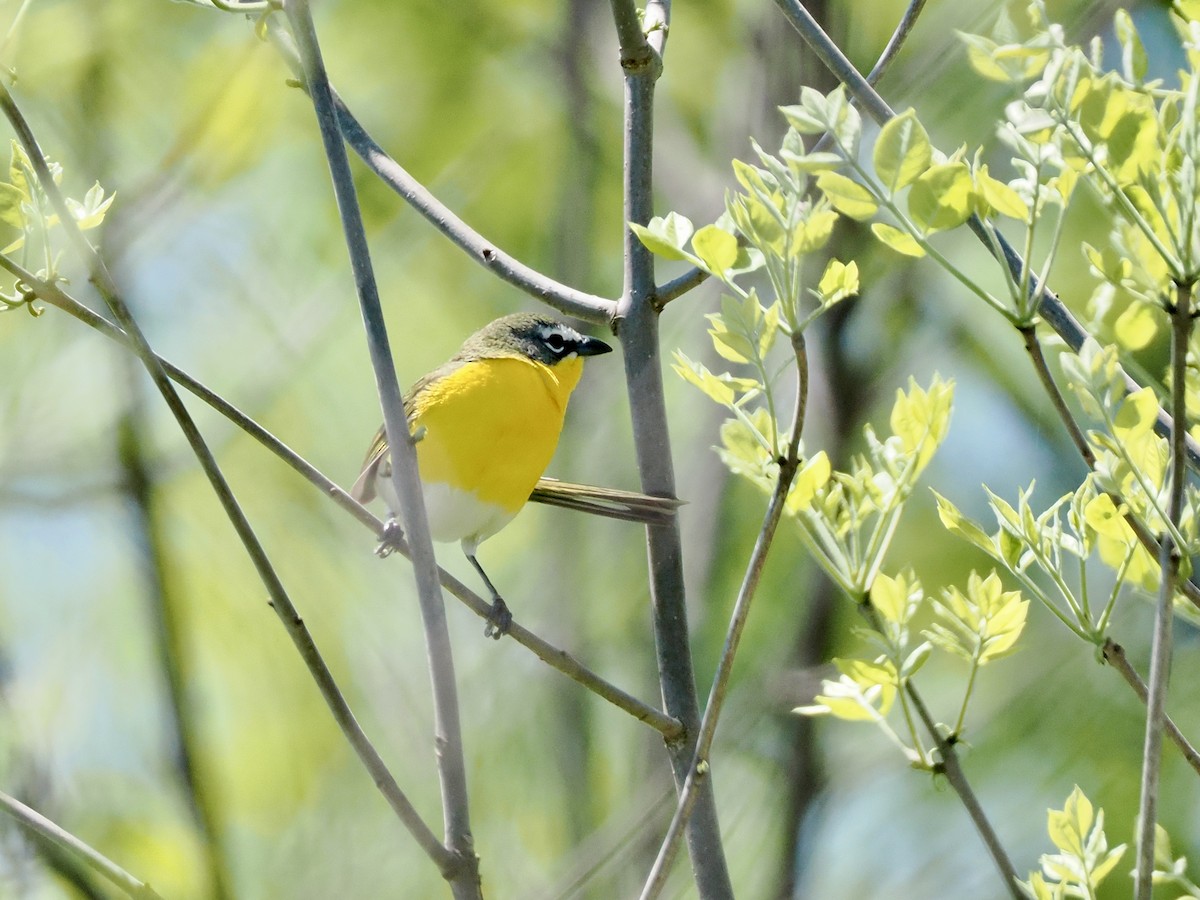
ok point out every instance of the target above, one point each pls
(490, 427)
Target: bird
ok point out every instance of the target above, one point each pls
(486, 424)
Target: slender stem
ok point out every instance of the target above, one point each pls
(952, 769)
(451, 764)
(637, 329)
(677, 287)
(1169, 559)
(588, 307)
(556, 658)
(1114, 655)
(1034, 347)
(789, 464)
(39, 824)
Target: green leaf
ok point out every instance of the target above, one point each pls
(722, 389)
(810, 114)
(666, 236)
(900, 241)
(839, 282)
(902, 152)
(1103, 517)
(717, 249)
(813, 162)
(1189, 10)
(943, 197)
(921, 418)
(813, 233)
(1068, 826)
(847, 196)
(895, 599)
(997, 197)
(1137, 327)
(12, 199)
(745, 451)
(809, 481)
(1136, 415)
(956, 523)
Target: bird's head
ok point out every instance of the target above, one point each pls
(532, 336)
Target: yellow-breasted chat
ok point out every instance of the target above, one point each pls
(487, 424)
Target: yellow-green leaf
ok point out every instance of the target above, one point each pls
(847, 196)
(717, 248)
(813, 233)
(943, 197)
(839, 282)
(956, 523)
(902, 151)
(809, 481)
(1103, 516)
(1136, 414)
(900, 241)
(665, 236)
(996, 196)
(1137, 326)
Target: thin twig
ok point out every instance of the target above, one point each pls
(1034, 347)
(1164, 614)
(280, 601)
(39, 824)
(1114, 655)
(451, 763)
(637, 329)
(899, 36)
(789, 464)
(582, 305)
(556, 658)
(951, 767)
(1049, 306)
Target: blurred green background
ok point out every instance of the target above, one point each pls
(225, 240)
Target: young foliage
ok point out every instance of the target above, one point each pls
(1083, 859)
(27, 219)
(979, 626)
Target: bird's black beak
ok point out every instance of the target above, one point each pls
(591, 346)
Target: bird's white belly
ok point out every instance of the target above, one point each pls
(454, 514)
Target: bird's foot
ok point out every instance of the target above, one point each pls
(498, 620)
(391, 539)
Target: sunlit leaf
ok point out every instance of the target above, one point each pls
(848, 197)
(942, 197)
(665, 236)
(902, 152)
(900, 241)
(839, 281)
(717, 249)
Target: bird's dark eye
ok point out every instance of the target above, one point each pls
(556, 342)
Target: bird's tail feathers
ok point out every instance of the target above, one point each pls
(629, 506)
